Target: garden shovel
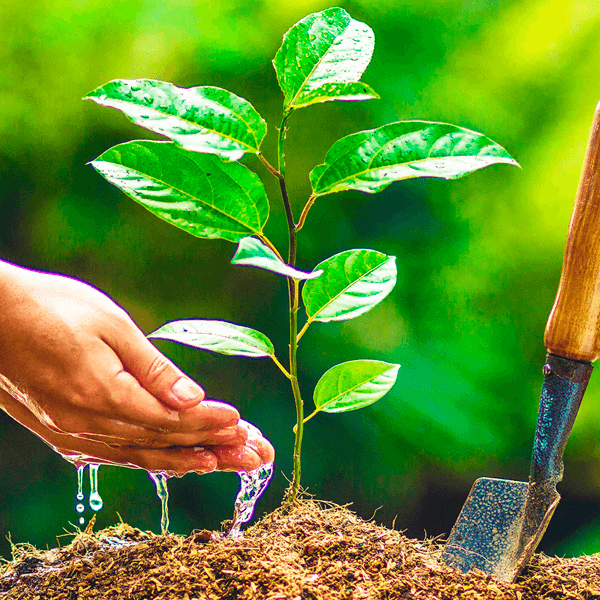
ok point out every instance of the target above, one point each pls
(502, 521)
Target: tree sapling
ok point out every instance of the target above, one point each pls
(195, 182)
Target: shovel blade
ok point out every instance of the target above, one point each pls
(497, 530)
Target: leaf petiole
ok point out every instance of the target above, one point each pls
(281, 367)
(303, 330)
(269, 166)
(304, 212)
(267, 242)
(312, 414)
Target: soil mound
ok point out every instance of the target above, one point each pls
(310, 551)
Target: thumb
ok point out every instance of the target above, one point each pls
(155, 372)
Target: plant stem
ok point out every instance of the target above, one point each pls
(289, 215)
(293, 313)
(312, 414)
(299, 429)
(280, 146)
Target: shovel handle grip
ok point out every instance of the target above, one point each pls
(574, 322)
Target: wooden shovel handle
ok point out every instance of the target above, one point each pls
(572, 328)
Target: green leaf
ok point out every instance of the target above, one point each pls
(352, 283)
(253, 253)
(217, 336)
(322, 58)
(199, 193)
(201, 119)
(369, 161)
(338, 91)
(353, 385)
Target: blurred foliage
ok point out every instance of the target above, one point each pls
(479, 259)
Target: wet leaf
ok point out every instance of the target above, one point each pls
(352, 283)
(322, 58)
(199, 193)
(253, 253)
(217, 336)
(370, 160)
(353, 385)
(338, 91)
(201, 119)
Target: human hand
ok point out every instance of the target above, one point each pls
(77, 371)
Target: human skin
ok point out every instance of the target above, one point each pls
(78, 372)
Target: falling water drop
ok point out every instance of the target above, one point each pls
(252, 485)
(79, 507)
(160, 481)
(96, 502)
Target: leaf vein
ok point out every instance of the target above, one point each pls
(349, 286)
(354, 387)
(186, 194)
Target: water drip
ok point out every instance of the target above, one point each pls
(79, 507)
(160, 481)
(96, 502)
(252, 486)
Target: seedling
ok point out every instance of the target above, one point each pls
(195, 182)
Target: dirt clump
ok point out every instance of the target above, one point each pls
(309, 551)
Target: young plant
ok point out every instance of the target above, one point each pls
(195, 183)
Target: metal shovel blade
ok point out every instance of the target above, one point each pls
(502, 521)
(489, 532)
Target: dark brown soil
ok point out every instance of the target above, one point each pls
(311, 551)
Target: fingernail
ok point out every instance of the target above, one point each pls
(226, 432)
(185, 389)
(251, 428)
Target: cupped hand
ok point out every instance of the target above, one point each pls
(77, 371)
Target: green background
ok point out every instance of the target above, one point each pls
(479, 259)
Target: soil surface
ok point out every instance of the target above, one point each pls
(310, 551)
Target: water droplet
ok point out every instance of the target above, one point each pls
(79, 507)
(81, 521)
(96, 502)
(252, 486)
(160, 481)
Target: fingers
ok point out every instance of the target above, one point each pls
(123, 434)
(174, 461)
(134, 404)
(256, 451)
(248, 450)
(154, 372)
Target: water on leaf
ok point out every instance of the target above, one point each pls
(96, 502)
(160, 481)
(252, 486)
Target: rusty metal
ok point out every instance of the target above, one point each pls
(502, 521)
